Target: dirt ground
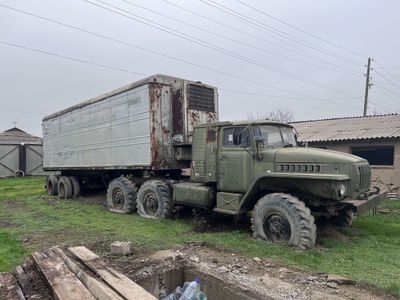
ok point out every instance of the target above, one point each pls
(258, 277)
(254, 277)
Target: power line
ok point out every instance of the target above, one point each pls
(134, 72)
(237, 41)
(282, 97)
(387, 83)
(72, 58)
(22, 110)
(216, 48)
(154, 52)
(390, 91)
(384, 77)
(299, 29)
(301, 53)
(387, 72)
(394, 98)
(275, 31)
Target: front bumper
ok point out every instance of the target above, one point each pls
(363, 206)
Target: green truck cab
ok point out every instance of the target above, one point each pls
(257, 166)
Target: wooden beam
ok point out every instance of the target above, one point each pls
(64, 284)
(98, 289)
(119, 282)
(9, 288)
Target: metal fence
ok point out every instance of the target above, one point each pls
(21, 160)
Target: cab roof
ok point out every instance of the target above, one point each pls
(243, 123)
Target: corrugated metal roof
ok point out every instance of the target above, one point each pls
(349, 128)
(15, 136)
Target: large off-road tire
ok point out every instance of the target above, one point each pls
(155, 200)
(344, 219)
(76, 186)
(121, 195)
(64, 188)
(52, 185)
(284, 219)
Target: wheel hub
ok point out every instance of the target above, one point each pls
(118, 199)
(151, 204)
(277, 228)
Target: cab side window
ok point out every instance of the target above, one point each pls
(228, 137)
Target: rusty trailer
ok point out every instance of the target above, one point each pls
(145, 125)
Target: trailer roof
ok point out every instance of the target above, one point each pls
(243, 123)
(157, 78)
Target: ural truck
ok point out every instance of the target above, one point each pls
(138, 141)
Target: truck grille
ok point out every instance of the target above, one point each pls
(365, 176)
(201, 98)
(298, 168)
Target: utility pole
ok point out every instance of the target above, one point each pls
(367, 86)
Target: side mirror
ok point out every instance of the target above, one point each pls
(259, 143)
(237, 136)
(259, 139)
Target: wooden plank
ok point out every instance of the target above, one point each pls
(64, 284)
(9, 288)
(119, 282)
(98, 289)
(31, 282)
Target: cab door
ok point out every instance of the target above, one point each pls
(235, 162)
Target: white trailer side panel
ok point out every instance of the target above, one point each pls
(114, 132)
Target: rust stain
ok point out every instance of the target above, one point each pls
(177, 112)
(165, 130)
(194, 118)
(211, 135)
(155, 94)
(211, 117)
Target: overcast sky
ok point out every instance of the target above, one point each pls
(258, 62)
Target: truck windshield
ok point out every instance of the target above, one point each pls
(275, 136)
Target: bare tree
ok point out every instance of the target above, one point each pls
(283, 115)
(375, 112)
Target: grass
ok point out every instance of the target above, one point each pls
(29, 221)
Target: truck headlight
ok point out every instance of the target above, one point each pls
(342, 190)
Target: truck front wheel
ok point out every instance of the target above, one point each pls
(154, 200)
(121, 195)
(284, 219)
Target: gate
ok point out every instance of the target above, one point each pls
(19, 160)
(9, 160)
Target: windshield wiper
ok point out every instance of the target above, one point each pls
(287, 144)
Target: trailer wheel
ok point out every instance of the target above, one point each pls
(284, 219)
(155, 200)
(52, 185)
(121, 196)
(64, 188)
(345, 218)
(76, 187)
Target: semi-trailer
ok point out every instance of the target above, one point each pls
(138, 141)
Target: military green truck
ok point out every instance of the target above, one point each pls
(138, 139)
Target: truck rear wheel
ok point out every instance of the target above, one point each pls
(284, 219)
(52, 185)
(64, 188)
(155, 200)
(76, 187)
(121, 196)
